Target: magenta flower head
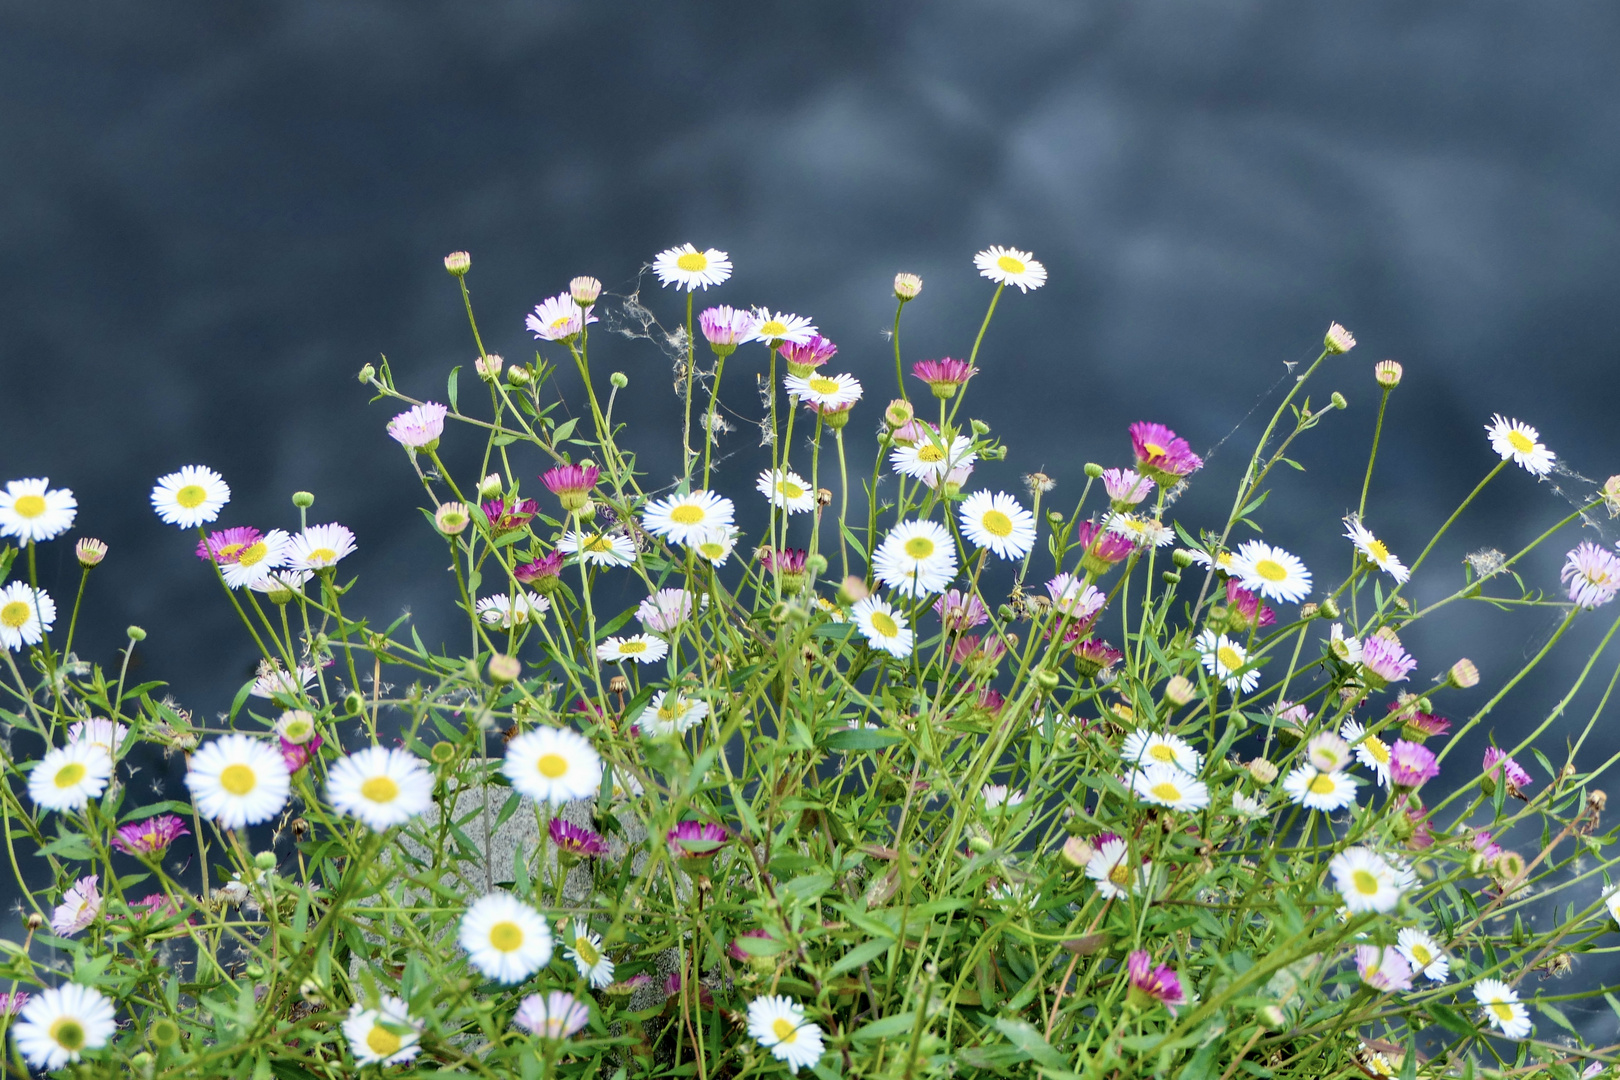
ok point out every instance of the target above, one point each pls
(150, 837)
(573, 840)
(1102, 549)
(1245, 611)
(297, 755)
(1422, 838)
(1126, 487)
(697, 839)
(1093, 657)
(737, 953)
(509, 515)
(726, 327)
(1592, 574)
(944, 377)
(1499, 765)
(11, 1002)
(571, 484)
(1383, 661)
(804, 357)
(1411, 765)
(1488, 849)
(960, 612)
(544, 573)
(1419, 726)
(1153, 984)
(970, 649)
(419, 427)
(1161, 454)
(990, 700)
(225, 545)
(1382, 968)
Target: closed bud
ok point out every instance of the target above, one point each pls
(503, 669)
(353, 702)
(899, 413)
(1263, 771)
(451, 518)
(585, 290)
(265, 860)
(906, 287)
(1005, 612)
(517, 375)
(90, 552)
(135, 633)
(1046, 679)
(367, 373)
(143, 1063)
(1338, 339)
(979, 427)
(1272, 1017)
(1171, 577)
(443, 753)
(853, 589)
(979, 843)
(1182, 557)
(816, 564)
(458, 262)
(488, 367)
(1093, 470)
(1388, 374)
(1509, 866)
(1463, 674)
(1179, 691)
(1077, 852)
(1054, 518)
(303, 499)
(619, 380)
(1328, 609)
(491, 486)
(1338, 401)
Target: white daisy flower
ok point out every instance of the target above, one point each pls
(191, 497)
(62, 1022)
(1611, 900)
(99, 731)
(788, 491)
(916, 558)
(1009, 266)
(1143, 747)
(687, 519)
(996, 795)
(236, 780)
(827, 391)
(1424, 954)
(558, 318)
(1517, 442)
(253, 564)
(29, 510)
(598, 549)
(505, 938)
(882, 626)
(1374, 550)
(320, 546)
(1314, 789)
(506, 611)
(642, 648)
(778, 1024)
(1223, 658)
(1343, 646)
(717, 546)
(282, 581)
(997, 522)
(1168, 786)
(586, 953)
(1111, 866)
(830, 609)
(68, 777)
(1365, 880)
(1502, 1007)
(273, 681)
(778, 327)
(380, 786)
(556, 1015)
(1371, 751)
(553, 765)
(925, 459)
(671, 713)
(1247, 806)
(80, 906)
(1222, 561)
(688, 268)
(1140, 529)
(25, 615)
(386, 1035)
(1271, 572)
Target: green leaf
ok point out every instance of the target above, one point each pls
(1556, 1015)
(451, 386)
(887, 1028)
(760, 946)
(1450, 1019)
(860, 549)
(71, 846)
(564, 430)
(141, 813)
(1022, 1034)
(864, 953)
(861, 739)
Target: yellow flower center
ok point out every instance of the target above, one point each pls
(996, 523)
(227, 552)
(1322, 784)
(599, 543)
(1154, 449)
(15, 614)
(1120, 875)
(68, 1033)
(69, 774)
(784, 1030)
(1422, 955)
(1161, 753)
(629, 647)
(792, 490)
(586, 951)
(885, 625)
(1166, 792)
(1501, 1010)
(711, 550)
(1520, 442)
(323, 555)
(823, 385)
(380, 789)
(919, 547)
(1010, 264)
(1376, 551)
(1229, 658)
(238, 779)
(692, 262)
(930, 452)
(1364, 882)
(248, 556)
(686, 514)
(557, 326)
(552, 766)
(382, 1042)
(1377, 748)
(29, 506)
(191, 496)
(1271, 570)
(506, 936)
(773, 328)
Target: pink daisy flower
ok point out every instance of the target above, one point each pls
(665, 609)
(1411, 765)
(150, 837)
(1093, 657)
(726, 327)
(1102, 549)
(944, 377)
(803, 357)
(1592, 574)
(575, 840)
(1126, 487)
(544, 573)
(223, 546)
(419, 427)
(1161, 454)
(1150, 983)
(1245, 607)
(558, 318)
(696, 839)
(959, 611)
(1383, 968)
(509, 515)
(571, 484)
(1498, 764)
(1383, 661)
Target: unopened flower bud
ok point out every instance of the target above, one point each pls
(585, 290)
(353, 702)
(979, 427)
(1005, 612)
(619, 380)
(1182, 557)
(1179, 691)
(163, 1032)
(443, 753)
(1463, 674)
(503, 669)
(1170, 577)
(90, 552)
(853, 589)
(979, 843)
(899, 413)
(517, 375)
(816, 564)
(458, 262)
(265, 860)
(1611, 495)
(1509, 866)
(1272, 1017)
(135, 633)
(906, 287)
(1077, 852)
(1263, 771)
(488, 366)
(491, 486)
(1328, 609)
(1093, 470)
(1338, 339)
(1046, 679)
(1388, 373)
(1338, 401)
(303, 499)
(451, 518)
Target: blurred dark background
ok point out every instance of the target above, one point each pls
(214, 215)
